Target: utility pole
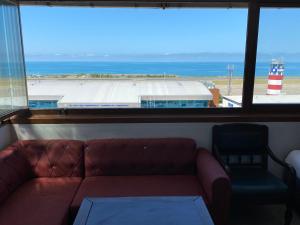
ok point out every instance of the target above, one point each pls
(230, 69)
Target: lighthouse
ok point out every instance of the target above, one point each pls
(275, 77)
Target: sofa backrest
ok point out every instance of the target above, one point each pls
(14, 171)
(53, 158)
(140, 157)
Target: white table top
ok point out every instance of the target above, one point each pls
(190, 210)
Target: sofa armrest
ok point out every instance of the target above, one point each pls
(216, 185)
(14, 171)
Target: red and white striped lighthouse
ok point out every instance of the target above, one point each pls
(275, 77)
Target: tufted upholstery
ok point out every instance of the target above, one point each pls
(140, 157)
(14, 170)
(53, 158)
(40, 181)
(40, 201)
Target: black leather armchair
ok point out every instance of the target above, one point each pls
(243, 151)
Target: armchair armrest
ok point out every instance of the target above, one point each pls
(14, 171)
(216, 185)
(290, 171)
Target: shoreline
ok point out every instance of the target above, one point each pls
(150, 76)
(138, 75)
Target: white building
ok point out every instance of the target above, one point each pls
(118, 93)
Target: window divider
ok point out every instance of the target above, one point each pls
(23, 55)
(250, 55)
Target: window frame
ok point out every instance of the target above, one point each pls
(248, 111)
(20, 110)
(267, 107)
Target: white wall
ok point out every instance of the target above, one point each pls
(7, 136)
(284, 137)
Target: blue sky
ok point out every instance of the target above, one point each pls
(279, 34)
(57, 33)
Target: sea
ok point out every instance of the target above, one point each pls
(181, 69)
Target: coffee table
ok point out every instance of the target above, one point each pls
(187, 210)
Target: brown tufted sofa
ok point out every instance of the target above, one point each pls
(44, 182)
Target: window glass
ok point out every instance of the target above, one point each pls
(277, 76)
(12, 72)
(134, 57)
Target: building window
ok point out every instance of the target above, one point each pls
(12, 72)
(277, 73)
(133, 58)
(42, 104)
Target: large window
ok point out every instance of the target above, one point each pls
(12, 72)
(134, 58)
(278, 57)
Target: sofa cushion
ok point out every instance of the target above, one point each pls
(53, 158)
(14, 171)
(114, 186)
(167, 156)
(40, 201)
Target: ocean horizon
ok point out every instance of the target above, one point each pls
(181, 69)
